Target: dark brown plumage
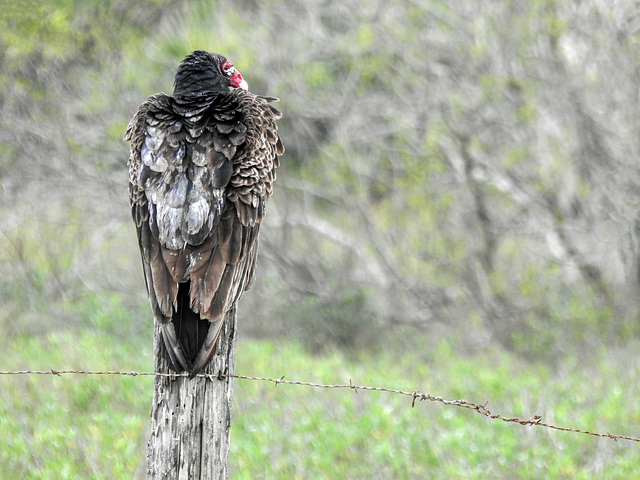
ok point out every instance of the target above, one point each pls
(201, 168)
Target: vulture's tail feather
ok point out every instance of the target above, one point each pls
(185, 335)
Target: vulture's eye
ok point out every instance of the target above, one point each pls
(228, 69)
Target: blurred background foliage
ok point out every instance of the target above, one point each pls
(455, 171)
(467, 169)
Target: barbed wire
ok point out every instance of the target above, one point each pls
(481, 409)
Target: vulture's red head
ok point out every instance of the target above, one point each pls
(201, 73)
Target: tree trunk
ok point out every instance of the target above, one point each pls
(191, 418)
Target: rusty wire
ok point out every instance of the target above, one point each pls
(535, 420)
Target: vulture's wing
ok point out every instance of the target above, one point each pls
(199, 178)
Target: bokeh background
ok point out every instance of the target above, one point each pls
(456, 212)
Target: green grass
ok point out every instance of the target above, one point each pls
(302, 432)
(94, 427)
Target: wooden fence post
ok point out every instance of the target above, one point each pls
(191, 418)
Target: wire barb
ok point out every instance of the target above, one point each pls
(535, 420)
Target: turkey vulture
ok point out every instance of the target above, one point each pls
(201, 168)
